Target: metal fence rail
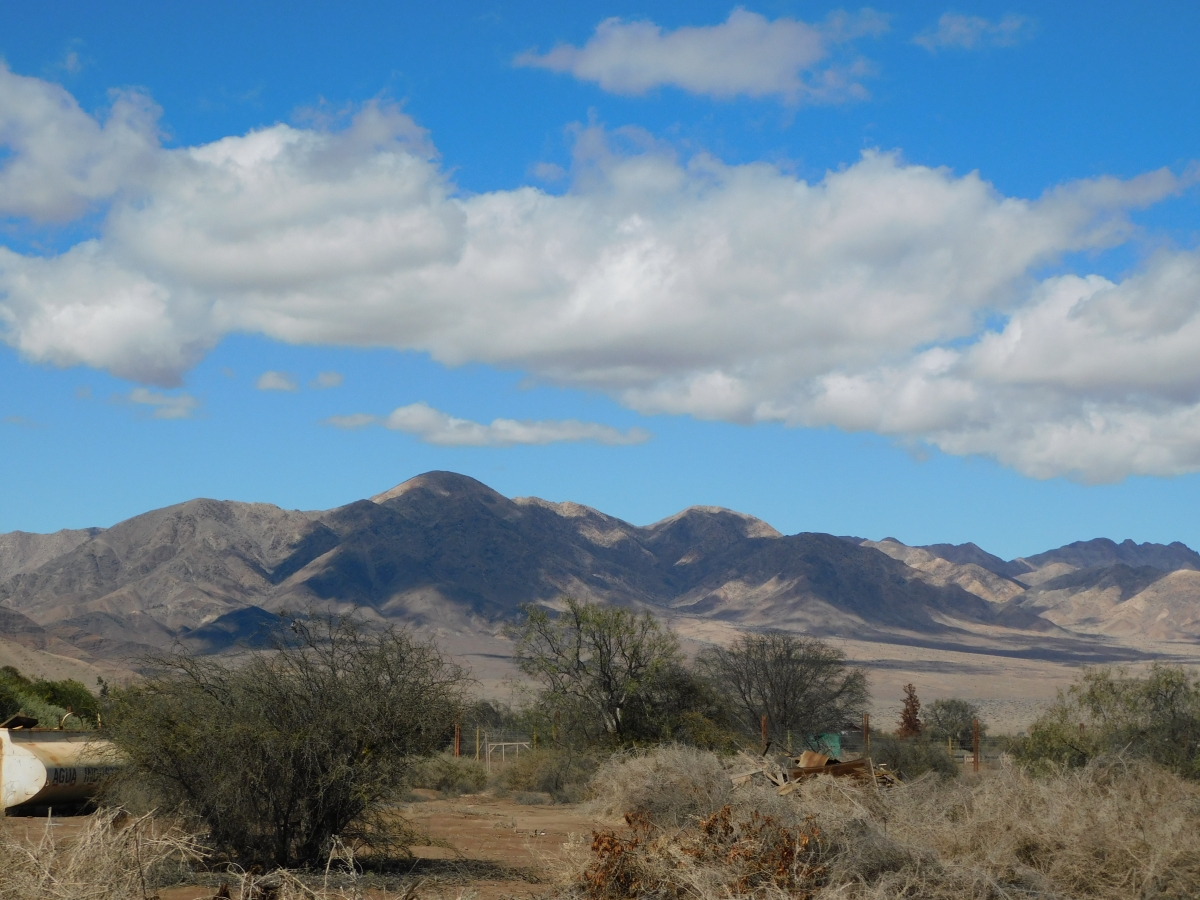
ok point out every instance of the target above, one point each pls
(493, 748)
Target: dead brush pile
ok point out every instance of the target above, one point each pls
(113, 857)
(1110, 830)
(722, 856)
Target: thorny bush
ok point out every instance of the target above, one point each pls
(279, 755)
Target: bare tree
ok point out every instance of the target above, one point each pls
(282, 753)
(604, 667)
(801, 684)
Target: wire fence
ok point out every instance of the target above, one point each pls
(495, 748)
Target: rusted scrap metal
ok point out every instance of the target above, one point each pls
(807, 765)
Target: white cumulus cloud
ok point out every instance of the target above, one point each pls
(436, 427)
(275, 381)
(956, 31)
(675, 285)
(747, 55)
(62, 159)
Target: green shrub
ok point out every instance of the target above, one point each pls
(1108, 711)
(281, 754)
(953, 719)
(561, 772)
(910, 757)
(47, 714)
(68, 694)
(449, 775)
(10, 701)
(44, 700)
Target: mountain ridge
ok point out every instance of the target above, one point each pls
(445, 551)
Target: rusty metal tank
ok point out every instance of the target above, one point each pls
(44, 768)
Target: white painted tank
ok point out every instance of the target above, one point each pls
(52, 768)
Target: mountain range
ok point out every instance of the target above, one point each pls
(444, 553)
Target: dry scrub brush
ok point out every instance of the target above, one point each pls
(667, 786)
(113, 857)
(284, 885)
(1104, 831)
(449, 774)
(562, 773)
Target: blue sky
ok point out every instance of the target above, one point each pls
(923, 271)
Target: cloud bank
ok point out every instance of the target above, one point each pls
(435, 427)
(745, 55)
(685, 286)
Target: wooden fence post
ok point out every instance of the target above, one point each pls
(457, 740)
(975, 742)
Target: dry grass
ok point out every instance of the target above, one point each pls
(1105, 831)
(113, 857)
(452, 776)
(283, 885)
(666, 786)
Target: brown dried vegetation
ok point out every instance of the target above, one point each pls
(1104, 831)
(738, 856)
(113, 857)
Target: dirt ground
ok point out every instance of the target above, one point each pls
(479, 847)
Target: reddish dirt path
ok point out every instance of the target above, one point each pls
(533, 840)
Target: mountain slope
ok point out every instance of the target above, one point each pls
(180, 566)
(970, 554)
(823, 584)
(21, 551)
(970, 576)
(1129, 591)
(1121, 601)
(1101, 553)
